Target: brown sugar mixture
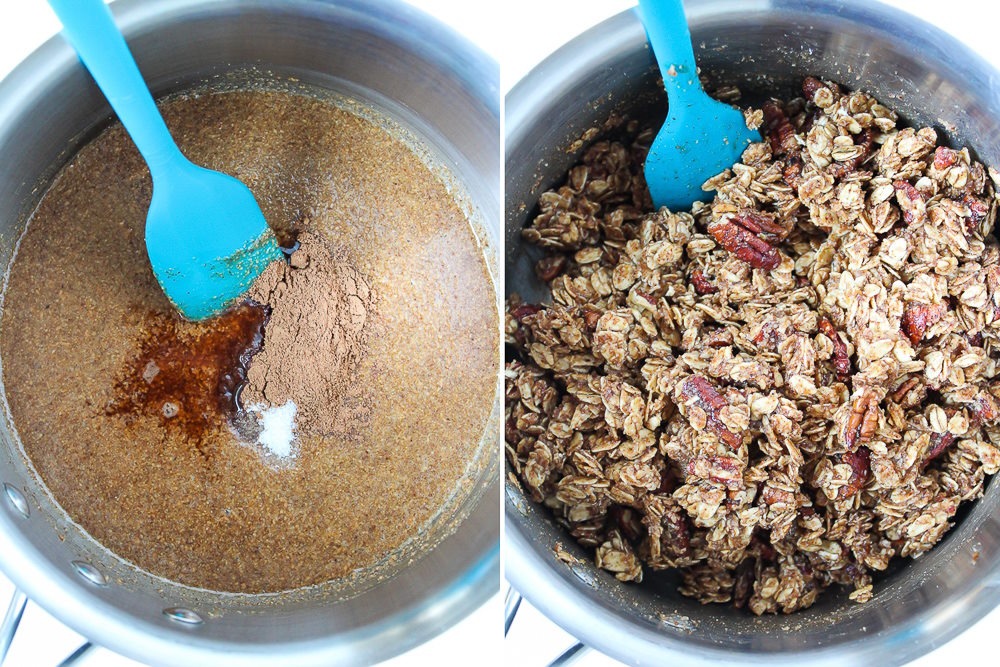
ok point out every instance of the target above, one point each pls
(382, 329)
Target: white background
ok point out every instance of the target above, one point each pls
(519, 34)
(42, 641)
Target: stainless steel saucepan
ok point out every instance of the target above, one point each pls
(415, 71)
(764, 47)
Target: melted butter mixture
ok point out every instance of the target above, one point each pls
(92, 352)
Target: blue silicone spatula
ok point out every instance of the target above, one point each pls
(205, 235)
(701, 136)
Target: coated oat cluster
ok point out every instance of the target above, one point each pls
(777, 391)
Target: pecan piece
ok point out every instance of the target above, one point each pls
(627, 522)
(860, 462)
(649, 298)
(723, 470)
(772, 496)
(718, 338)
(550, 267)
(524, 311)
(866, 139)
(939, 443)
(841, 361)
(745, 245)
(708, 398)
(792, 173)
(759, 222)
(591, 317)
(918, 318)
(911, 202)
(810, 85)
(944, 157)
(978, 210)
(904, 389)
(863, 420)
(778, 129)
(702, 285)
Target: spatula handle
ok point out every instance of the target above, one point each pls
(667, 29)
(90, 29)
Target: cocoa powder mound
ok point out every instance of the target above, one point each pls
(313, 341)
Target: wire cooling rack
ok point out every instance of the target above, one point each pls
(12, 621)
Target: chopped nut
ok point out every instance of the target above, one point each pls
(939, 443)
(702, 285)
(706, 397)
(740, 241)
(841, 360)
(918, 318)
(863, 420)
(723, 470)
(550, 267)
(778, 129)
(860, 468)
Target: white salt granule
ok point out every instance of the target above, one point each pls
(277, 427)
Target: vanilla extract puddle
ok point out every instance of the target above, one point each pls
(138, 435)
(188, 375)
(192, 375)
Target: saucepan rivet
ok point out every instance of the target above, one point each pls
(90, 573)
(16, 499)
(182, 615)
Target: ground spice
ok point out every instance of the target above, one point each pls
(314, 339)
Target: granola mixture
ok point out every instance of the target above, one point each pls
(777, 391)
